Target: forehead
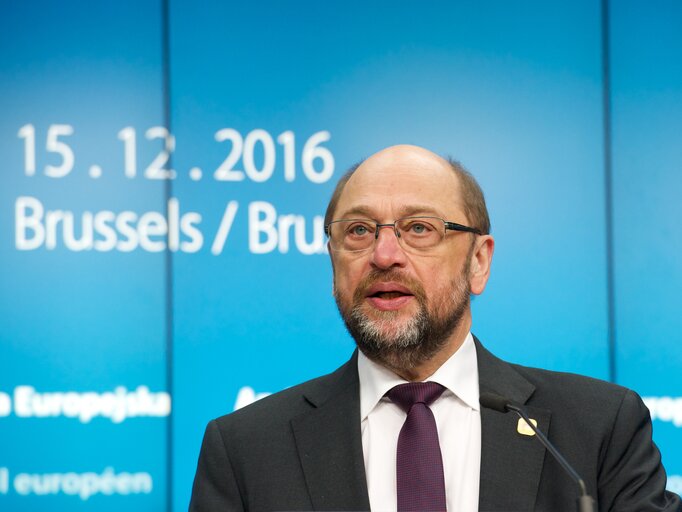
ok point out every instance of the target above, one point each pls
(402, 180)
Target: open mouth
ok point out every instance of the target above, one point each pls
(388, 296)
(388, 290)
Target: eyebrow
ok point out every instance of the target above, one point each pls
(403, 211)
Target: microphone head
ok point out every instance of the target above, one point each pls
(494, 401)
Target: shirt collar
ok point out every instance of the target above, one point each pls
(459, 375)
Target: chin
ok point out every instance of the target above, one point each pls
(390, 324)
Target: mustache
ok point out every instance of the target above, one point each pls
(393, 275)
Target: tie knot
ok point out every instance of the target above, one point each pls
(406, 395)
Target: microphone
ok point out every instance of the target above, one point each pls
(501, 404)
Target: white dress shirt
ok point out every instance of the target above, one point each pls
(458, 418)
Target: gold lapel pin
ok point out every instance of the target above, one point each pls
(524, 428)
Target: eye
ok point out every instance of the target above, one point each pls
(419, 228)
(358, 229)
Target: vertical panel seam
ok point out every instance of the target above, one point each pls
(168, 256)
(608, 188)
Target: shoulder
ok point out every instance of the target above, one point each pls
(584, 411)
(591, 418)
(564, 393)
(272, 412)
(587, 404)
(575, 391)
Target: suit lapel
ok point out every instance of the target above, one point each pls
(329, 444)
(511, 463)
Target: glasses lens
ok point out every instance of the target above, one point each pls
(351, 235)
(421, 232)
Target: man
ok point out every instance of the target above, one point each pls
(409, 242)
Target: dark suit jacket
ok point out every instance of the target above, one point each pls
(301, 449)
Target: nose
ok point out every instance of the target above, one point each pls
(387, 251)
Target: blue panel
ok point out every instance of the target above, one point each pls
(82, 323)
(647, 151)
(512, 90)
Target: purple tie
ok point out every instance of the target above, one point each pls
(419, 464)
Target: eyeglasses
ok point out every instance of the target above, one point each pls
(421, 233)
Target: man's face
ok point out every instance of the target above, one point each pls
(403, 306)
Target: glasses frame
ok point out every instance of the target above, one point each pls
(449, 225)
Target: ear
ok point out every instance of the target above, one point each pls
(481, 259)
(331, 259)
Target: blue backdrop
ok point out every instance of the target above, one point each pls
(164, 167)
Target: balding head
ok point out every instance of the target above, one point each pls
(390, 163)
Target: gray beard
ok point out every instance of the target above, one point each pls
(416, 342)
